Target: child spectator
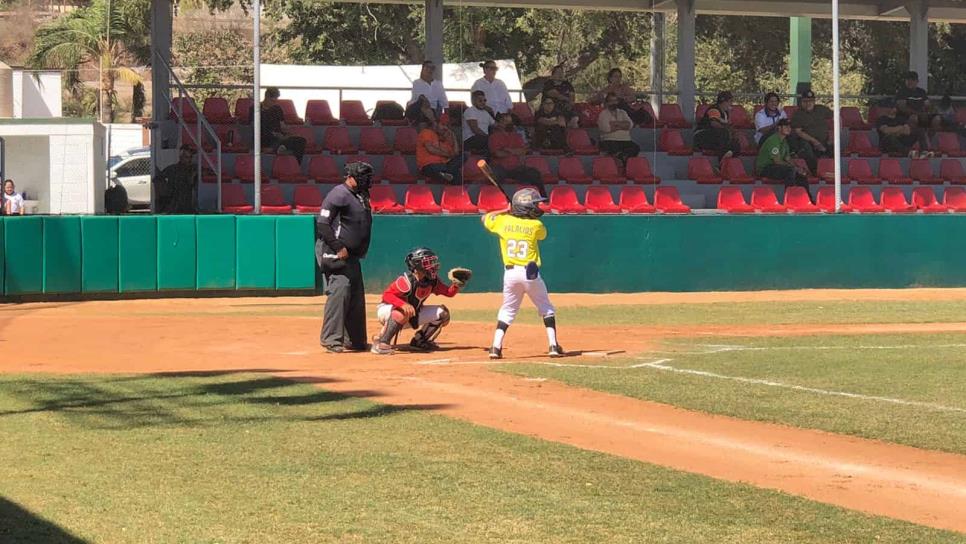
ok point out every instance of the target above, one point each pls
(12, 201)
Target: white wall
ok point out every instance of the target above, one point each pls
(37, 95)
(124, 136)
(28, 165)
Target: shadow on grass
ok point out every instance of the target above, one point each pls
(188, 399)
(19, 525)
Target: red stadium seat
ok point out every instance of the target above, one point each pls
(456, 200)
(183, 105)
(852, 118)
(523, 112)
(307, 198)
(395, 169)
(921, 171)
(672, 143)
(372, 140)
(949, 144)
(961, 116)
(336, 141)
(804, 166)
(825, 200)
(382, 198)
(923, 198)
(318, 113)
(859, 144)
(955, 199)
(291, 117)
(748, 148)
(233, 199)
(700, 110)
(420, 199)
(587, 114)
(634, 200)
(542, 166)
(323, 169)
(273, 203)
(668, 200)
(217, 111)
(733, 171)
(245, 169)
(606, 170)
(796, 201)
(308, 133)
(894, 200)
(655, 123)
(862, 200)
(405, 140)
(231, 139)
(891, 171)
(288, 170)
(859, 171)
(354, 113)
(739, 117)
(491, 199)
(731, 200)
(699, 170)
(391, 122)
(571, 170)
(790, 111)
(598, 199)
(671, 116)
(472, 172)
(951, 170)
(763, 199)
(826, 170)
(243, 110)
(563, 199)
(639, 170)
(874, 113)
(189, 136)
(579, 142)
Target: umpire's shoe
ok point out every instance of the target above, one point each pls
(496, 353)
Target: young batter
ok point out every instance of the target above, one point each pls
(519, 232)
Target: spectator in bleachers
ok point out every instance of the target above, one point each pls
(274, 134)
(12, 200)
(477, 121)
(811, 137)
(774, 159)
(549, 127)
(562, 93)
(507, 150)
(627, 98)
(615, 125)
(945, 118)
(766, 120)
(432, 93)
(497, 96)
(715, 131)
(436, 154)
(897, 136)
(174, 188)
(911, 99)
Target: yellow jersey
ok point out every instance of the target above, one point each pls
(518, 237)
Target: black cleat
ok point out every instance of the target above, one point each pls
(496, 353)
(337, 348)
(556, 351)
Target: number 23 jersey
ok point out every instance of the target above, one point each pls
(518, 238)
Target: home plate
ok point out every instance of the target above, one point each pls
(602, 353)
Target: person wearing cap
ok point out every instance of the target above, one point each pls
(898, 135)
(774, 159)
(344, 228)
(768, 117)
(715, 131)
(497, 97)
(811, 137)
(911, 99)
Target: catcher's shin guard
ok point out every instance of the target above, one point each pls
(390, 332)
(425, 338)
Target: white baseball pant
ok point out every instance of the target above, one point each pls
(427, 314)
(515, 285)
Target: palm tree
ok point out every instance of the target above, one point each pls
(106, 34)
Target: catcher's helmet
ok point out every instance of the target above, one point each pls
(361, 172)
(424, 260)
(526, 203)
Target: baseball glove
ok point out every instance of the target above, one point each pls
(460, 276)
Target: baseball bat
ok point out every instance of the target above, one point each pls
(488, 173)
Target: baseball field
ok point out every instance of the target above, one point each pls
(802, 416)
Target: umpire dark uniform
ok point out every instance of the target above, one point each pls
(343, 228)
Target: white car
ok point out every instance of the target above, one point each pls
(132, 170)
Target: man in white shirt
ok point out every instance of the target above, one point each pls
(497, 97)
(615, 130)
(477, 122)
(429, 87)
(766, 120)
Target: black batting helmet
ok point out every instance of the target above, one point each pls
(526, 203)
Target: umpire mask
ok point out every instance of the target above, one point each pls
(362, 173)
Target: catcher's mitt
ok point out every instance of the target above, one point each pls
(460, 276)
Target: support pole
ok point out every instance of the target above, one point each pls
(257, 109)
(800, 53)
(434, 35)
(161, 23)
(836, 116)
(657, 60)
(919, 40)
(686, 87)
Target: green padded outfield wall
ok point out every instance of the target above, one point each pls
(99, 241)
(295, 267)
(216, 251)
(177, 252)
(256, 252)
(62, 254)
(23, 251)
(138, 253)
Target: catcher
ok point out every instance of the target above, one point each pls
(402, 302)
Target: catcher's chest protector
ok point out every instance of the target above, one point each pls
(414, 293)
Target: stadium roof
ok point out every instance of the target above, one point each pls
(939, 10)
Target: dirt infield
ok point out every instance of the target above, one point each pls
(191, 335)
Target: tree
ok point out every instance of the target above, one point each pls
(107, 34)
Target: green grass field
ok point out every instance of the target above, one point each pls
(252, 458)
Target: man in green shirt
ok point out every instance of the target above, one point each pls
(811, 136)
(774, 159)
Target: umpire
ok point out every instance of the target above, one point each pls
(343, 228)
